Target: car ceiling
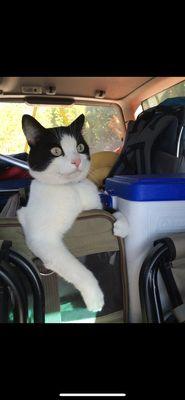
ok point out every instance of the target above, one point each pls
(114, 88)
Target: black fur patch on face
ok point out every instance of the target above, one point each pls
(40, 155)
(42, 140)
(80, 140)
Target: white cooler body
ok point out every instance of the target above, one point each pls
(148, 220)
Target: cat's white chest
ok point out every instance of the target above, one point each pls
(52, 207)
(59, 199)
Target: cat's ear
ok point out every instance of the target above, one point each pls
(32, 129)
(77, 124)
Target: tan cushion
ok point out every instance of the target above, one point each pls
(101, 164)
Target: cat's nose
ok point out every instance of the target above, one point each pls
(77, 162)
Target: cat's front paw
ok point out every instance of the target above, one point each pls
(94, 299)
(121, 227)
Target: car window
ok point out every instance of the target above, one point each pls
(103, 128)
(177, 90)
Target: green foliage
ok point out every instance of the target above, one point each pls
(97, 132)
(50, 116)
(12, 139)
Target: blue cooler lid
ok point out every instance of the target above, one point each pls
(147, 187)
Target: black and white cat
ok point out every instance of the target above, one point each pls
(59, 160)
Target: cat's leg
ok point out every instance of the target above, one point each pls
(90, 198)
(121, 226)
(57, 257)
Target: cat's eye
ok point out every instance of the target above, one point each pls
(56, 151)
(80, 148)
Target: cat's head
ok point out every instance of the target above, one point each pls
(57, 155)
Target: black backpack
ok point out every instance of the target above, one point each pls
(155, 142)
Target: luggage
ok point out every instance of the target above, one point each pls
(166, 260)
(14, 183)
(8, 189)
(90, 239)
(155, 142)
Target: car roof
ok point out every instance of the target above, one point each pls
(114, 88)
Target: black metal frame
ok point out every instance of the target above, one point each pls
(158, 260)
(35, 282)
(4, 302)
(9, 279)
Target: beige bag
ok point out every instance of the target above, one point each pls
(90, 239)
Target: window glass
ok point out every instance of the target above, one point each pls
(177, 90)
(103, 128)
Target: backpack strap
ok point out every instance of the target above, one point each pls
(138, 145)
(145, 140)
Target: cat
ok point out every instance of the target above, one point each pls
(121, 225)
(59, 162)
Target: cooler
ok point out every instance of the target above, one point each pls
(154, 207)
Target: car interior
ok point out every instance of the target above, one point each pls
(141, 272)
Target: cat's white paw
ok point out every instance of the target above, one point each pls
(121, 226)
(94, 299)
